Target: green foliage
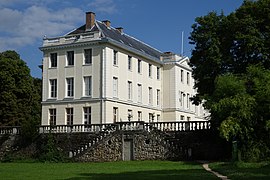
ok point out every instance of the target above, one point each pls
(51, 153)
(20, 95)
(230, 64)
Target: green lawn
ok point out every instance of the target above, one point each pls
(243, 170)
(100, 171)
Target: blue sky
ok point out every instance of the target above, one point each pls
(158, 23)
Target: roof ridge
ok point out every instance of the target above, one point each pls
(111, 27)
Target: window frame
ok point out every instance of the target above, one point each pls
(70, 87)
(53, 88)
(115, 87)
(87, 86)
(87, 115)
(52, 116)
(88, 58)
(53, 60)
(69, 116)
(70, 62)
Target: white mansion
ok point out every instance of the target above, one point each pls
(97, 74)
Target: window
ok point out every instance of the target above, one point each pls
(182, 118)
(188, 101)
(88, 85)
(53, 58)
(188, 118)
(139, 93)
(150, 70)
(70, 87)
(53, 88)
(151, 117)
(139, 66)
(129, 90)
(158, 97)
(115, 58)
(182, 75)
(52, 113)
(150, 94)
(87, 115)
(129, 63)
(69, 113)
(130, 115)
(70, 58)
(158, 73)
(182, 99)
(188, 78)
(115, 87)
(158, 118)
(115, 114)
(88, 56)
(139, 115)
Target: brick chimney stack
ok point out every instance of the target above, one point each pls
(120, 29)
(107, 23)
(90, 20)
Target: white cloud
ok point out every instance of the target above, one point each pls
(103, 6)
(23, 27)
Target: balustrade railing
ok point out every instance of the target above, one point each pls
(10, 129)
(124, 126)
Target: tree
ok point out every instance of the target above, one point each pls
(230, 64)
(20, 94)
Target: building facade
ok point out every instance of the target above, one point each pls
(97, 74)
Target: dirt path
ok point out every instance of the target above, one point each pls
(206, 167)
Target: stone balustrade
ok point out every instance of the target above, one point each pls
(123, 126)
(10, 129)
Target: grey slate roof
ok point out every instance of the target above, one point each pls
(114, 34)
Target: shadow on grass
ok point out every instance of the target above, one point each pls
(155, 174)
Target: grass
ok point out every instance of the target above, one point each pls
(243, 170)
(141, 170)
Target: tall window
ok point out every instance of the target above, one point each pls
(115, 114)
(158, 118)
(188, 78)
(139, 66)
(88, 56)
(115, 87)
(151, 117)
(52, 113)
(150, 70)
(53, 88)
(182, 118)
(129, 90)
(87, 115)
(53, 58)
(70, 58)
(70, 87)
(150, 94)
(158, 97)
(130, 114)
(129, 63)
(139, 115)
(69, 113)
(182, 75)
(139, 93)
(115, 58)
(88, 85)
(188, 101)
(158, 73)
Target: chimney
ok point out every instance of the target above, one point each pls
(107, 23)
(120, 29)
(90, 20)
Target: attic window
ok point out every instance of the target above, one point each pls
(121, 41)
